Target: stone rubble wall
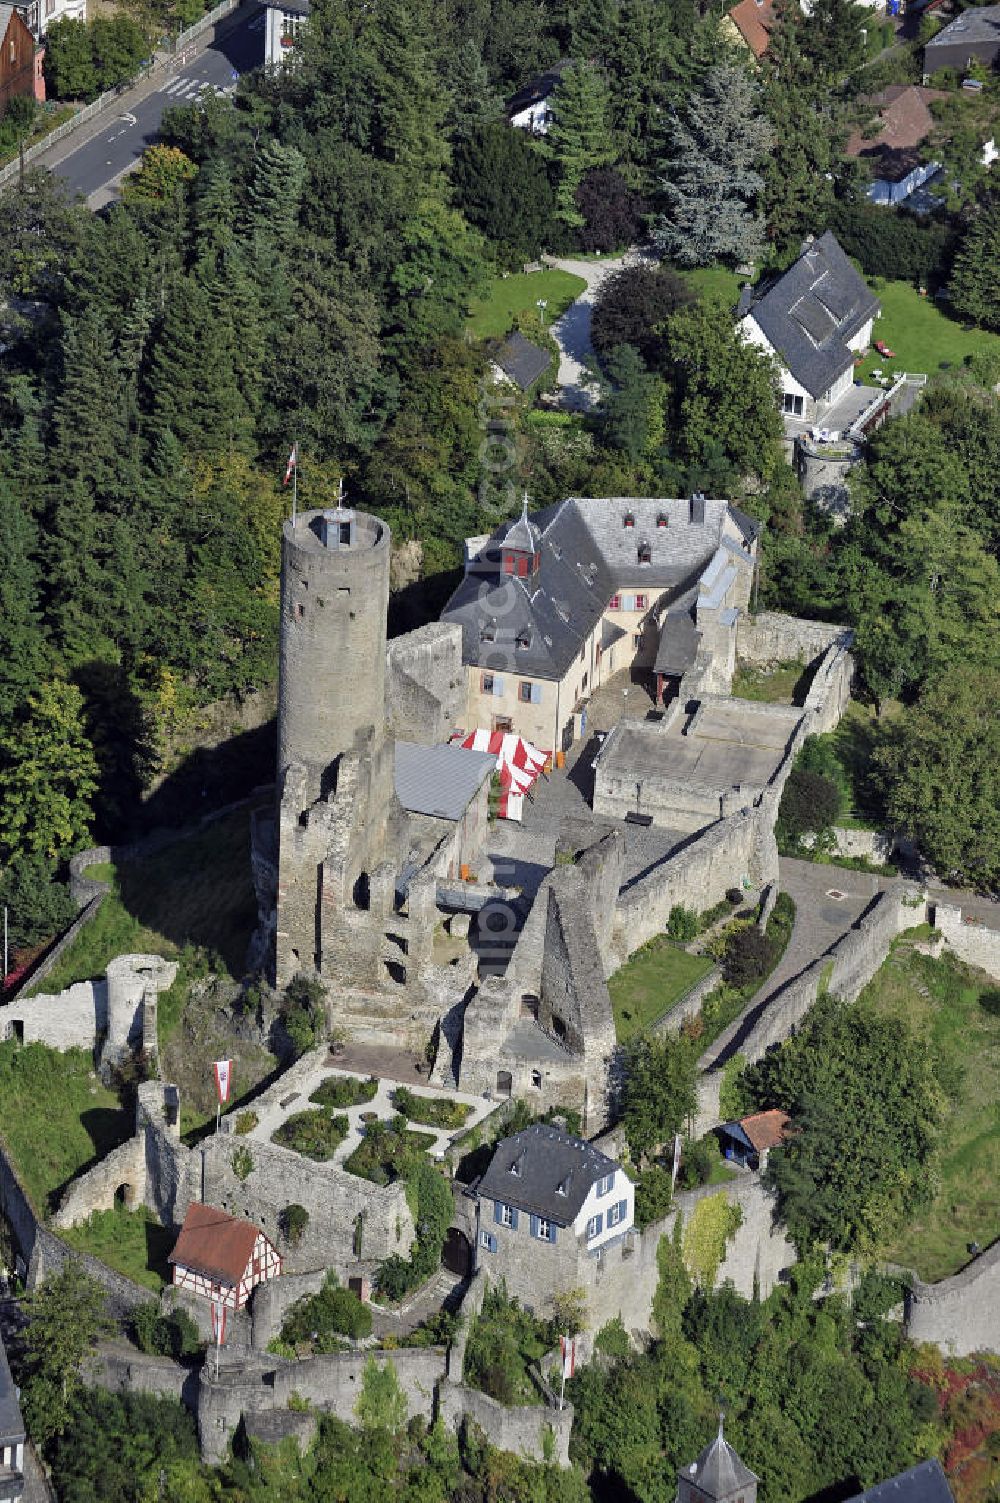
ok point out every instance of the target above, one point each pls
(771, 637)
(961, 1315)
(972, 942)
(425, 683)
(71, 1019)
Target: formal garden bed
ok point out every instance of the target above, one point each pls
(315, 1134)
(340, 1091)
(388, 1151)
(431, 1111)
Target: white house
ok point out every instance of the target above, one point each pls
(282, 24)
(40, 14)
(813, 320)
(549, 1205)
(531, 108)
(221, 1257)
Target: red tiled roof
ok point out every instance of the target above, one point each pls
(215, 1244)
(754, 21)
(765, 1129)
(906, 121)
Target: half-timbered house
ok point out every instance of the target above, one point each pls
(221, 1257)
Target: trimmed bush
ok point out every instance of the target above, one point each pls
(338, 1091)
(314, 1134)
(430, 1111)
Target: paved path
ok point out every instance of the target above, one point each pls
(572, 331)
(94, 159)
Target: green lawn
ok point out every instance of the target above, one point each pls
(650, 982)
(960, 1008)
(715, 282)
(55, 1117)
(784, 684)
(133, 1242)
(491, 316)
(925, 339)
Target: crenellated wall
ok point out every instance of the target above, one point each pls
(961, 1314)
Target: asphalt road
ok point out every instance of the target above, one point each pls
(94, 167)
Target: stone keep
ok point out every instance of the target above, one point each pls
(338, 816)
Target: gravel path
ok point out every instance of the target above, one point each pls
(572, 331)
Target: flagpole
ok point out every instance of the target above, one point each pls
(295, 482)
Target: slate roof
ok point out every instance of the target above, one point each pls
(538, 88)
(906, 121)
(439, 780)
(718, 1472)
(980, 23)
(521, 360)
(539, 624)
(214, 1244)
(679, 639)
(547, 1159)
(754, 20)
(810, 313)
(923, 1483)
(11, 1424)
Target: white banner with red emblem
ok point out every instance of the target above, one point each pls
(568, 1346)
(223, 1079)
(218, 1321)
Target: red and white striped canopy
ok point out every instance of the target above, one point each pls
(518, 763)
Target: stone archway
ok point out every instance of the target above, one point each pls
(125, 1196)
(505, 1084)
(456, 1255)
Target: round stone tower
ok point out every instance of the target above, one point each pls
(334, 598)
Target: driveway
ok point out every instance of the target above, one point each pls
(572, 332)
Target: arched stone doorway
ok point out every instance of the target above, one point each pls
(505, 1084)
(456, 1255)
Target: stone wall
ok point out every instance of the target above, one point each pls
(121, 1370)
(774, 638)
(271, 1302)
(970, 941)
(690, 1003)
(961, 1314)
(529, 1430)
(71, 1019)
(332, 1383)
(425, 683)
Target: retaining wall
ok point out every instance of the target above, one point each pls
(689, 1005)
(527, 1429)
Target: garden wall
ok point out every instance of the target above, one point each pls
(970, 941)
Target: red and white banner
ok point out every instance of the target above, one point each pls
(568, 1348)
(519, 764)
(223, 1079)
(292, 465)
(677, 1161)
(218, 1322)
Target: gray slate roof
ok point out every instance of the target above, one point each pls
(538, 88)
(718, 1472)
(980, 23)
(547, 1158)
(810, 313)
(679, 639)
(439, 780)
(521, 360)
(11, 1424)
(587, 554)
(923, 1483)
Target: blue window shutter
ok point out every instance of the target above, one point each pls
(552, 1231)
(497, 686)
(513, 1225)
(498, 1213)
(492, 1242)
(622, 1208)
(598, 1223)
(534, 1226)
(536, 694)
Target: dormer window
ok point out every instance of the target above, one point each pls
(661, 520)
(521, 565)
(645, 552)
(628, 520)
(489, 632)
(524, 640)
(515, 1168)
(563, 1187)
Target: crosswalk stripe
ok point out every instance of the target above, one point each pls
(175, 86)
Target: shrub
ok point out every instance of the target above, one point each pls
(345, 1090)
(632, 306)
(242, 1163)
(303, 1013)
(894, 243)
(612, 212)
(331, 1312)
(713, 1221)
(810, 804)
(652, 1195)
(698, 1159)
(245, 1122)
(734, 895)
(682, 923)
(293, 1221)
(748, 957)
(613, 1340)
(174, 1335)
(503, 1341)
(430, 1111)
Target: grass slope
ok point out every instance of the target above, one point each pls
(925, 339)
(55, 1117)
(650, 982)
(491, 316)
(960, 1008)
(785, 684)
(133, 1242)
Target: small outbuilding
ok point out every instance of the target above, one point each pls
(222, 1257)
(749, 1141)
(520, 362)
